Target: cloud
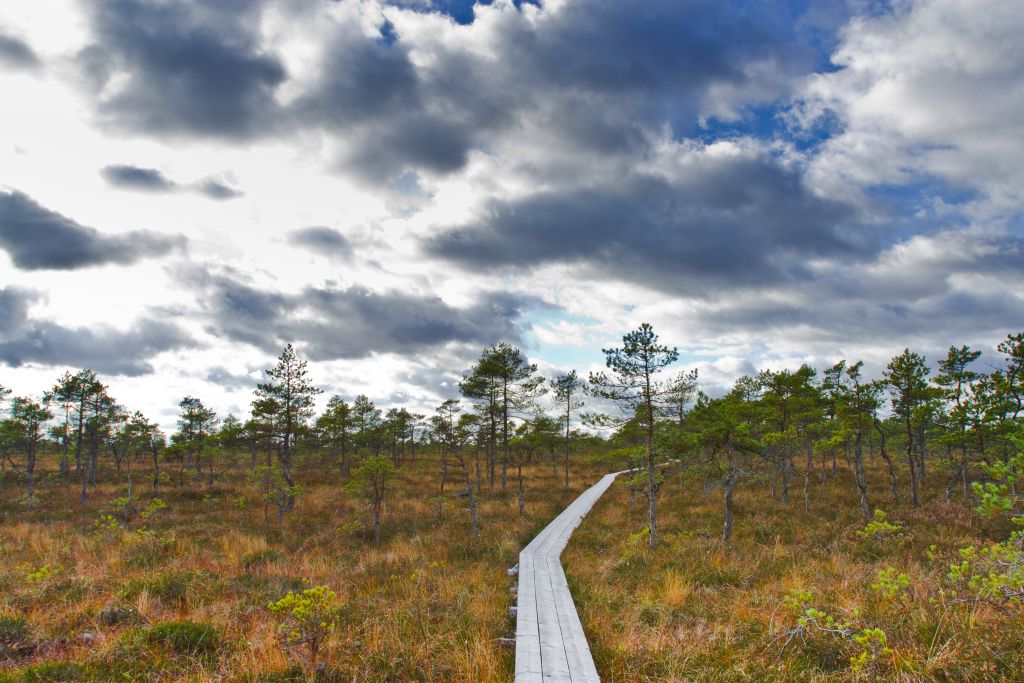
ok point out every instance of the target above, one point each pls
(953, 286)
(925, 92)
(333, 323)
(322, 240)
(183, 69)
(391, 117)
(39, 239)
(724, 221)
(15, 53)
(426, 143)
(230, 380)
(361, 78)
(136, 178)
(214, 189)
(14, 305)
(418, 93)
(102, 348)
(128, 177)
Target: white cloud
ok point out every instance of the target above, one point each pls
(931, 89)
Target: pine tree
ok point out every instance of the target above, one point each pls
(633, 384)
(907, 376)
(567, 387)
(290, 390)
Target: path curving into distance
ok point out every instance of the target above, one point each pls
(550, 644)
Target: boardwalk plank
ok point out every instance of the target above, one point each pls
(550, 643)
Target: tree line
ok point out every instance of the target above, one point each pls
(782, 428)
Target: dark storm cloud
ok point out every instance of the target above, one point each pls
(136, 178)
(191, 69)
(322, 240)
(104, 349)
(348, 323)
(16, 53)
(37, 238)
(732, 222)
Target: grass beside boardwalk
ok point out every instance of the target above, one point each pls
(692, 609)
(183, 595)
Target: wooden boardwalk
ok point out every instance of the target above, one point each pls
(550, 644)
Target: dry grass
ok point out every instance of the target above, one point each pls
(428, 604)
(692, 609)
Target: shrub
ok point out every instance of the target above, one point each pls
(270, 481)
(42, 574)
(185, 637)
(879, 529)
(310, 617)
(106, 525)
(156, 505)
(890, 585)
(125, 510)
(864, 648)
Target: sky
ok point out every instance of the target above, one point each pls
(188, 185)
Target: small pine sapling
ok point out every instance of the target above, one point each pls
(879, 529)
(309, 619)
(370, 480)
(272, 483)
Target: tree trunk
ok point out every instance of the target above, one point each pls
(85, 485)
(474, 528)
(567, 446)
(444, 467)
(65, 464)
(30, 471)
(888, 462)
(860, 476)
(922, 453)
(786, 465)
(963, 474)
(730, 483)
(156, 467)
(522, 496)
(913, 465)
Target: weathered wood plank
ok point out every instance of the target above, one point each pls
(550, 643)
